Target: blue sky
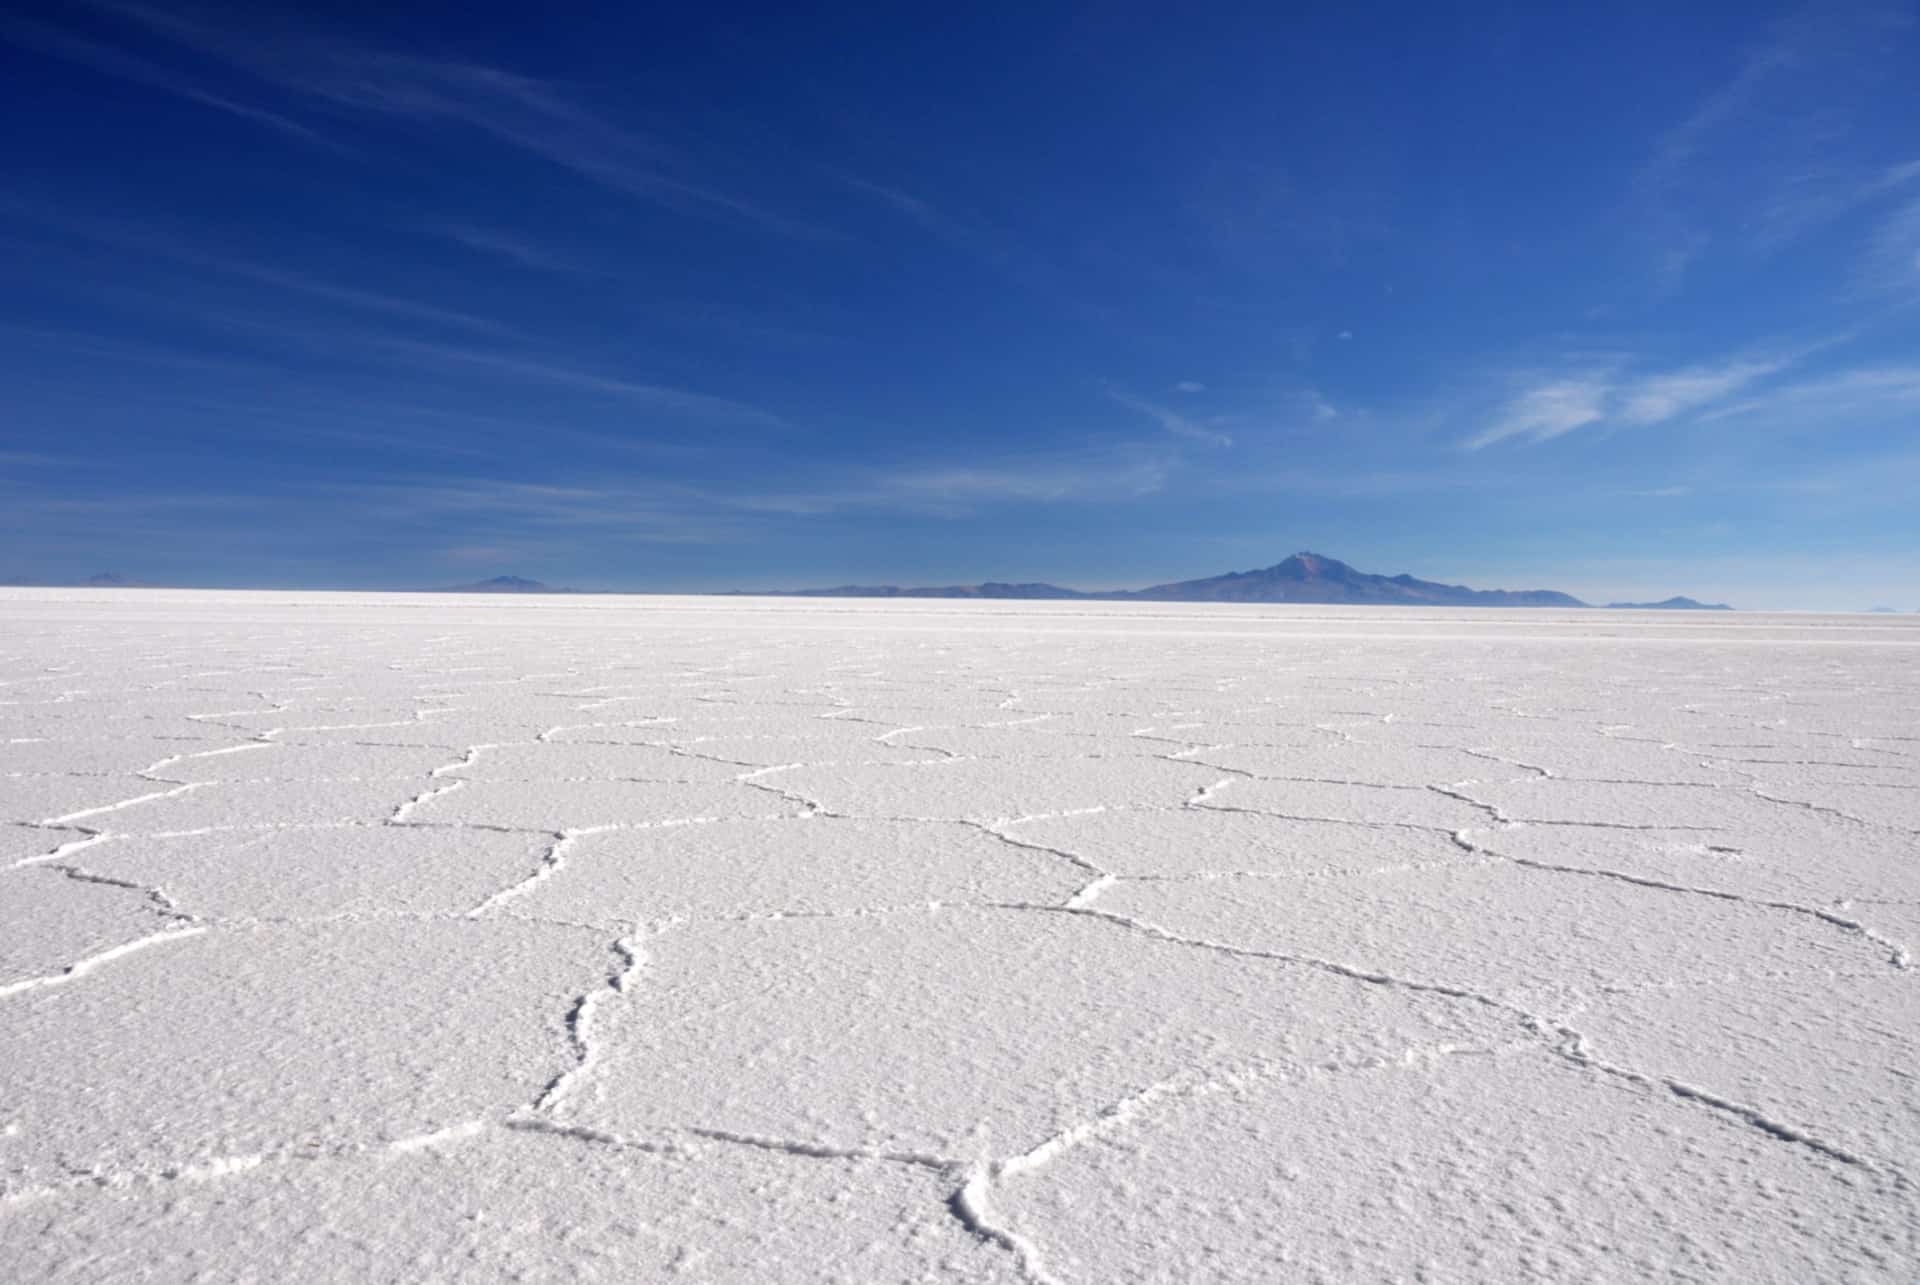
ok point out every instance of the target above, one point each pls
(1618, 300)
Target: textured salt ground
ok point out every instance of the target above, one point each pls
(731, 869)
(522, 1206)
(957, 1033)
(375, 937)
(323, 871)
(563, 804)
(1450, 1168)
(1203, 842)
(1806, 860)
(289, 1039)
(1542, 940)
(989, 790)
(49, 919)
(27, 842)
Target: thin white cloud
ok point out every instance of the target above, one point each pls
(516, 110)
(1882, 390)
(507, 246)
(1171, 420)
(1892, 261)
(653, 396)
(1682, 143)
(1606, 397)
(121, 65)
(154, 244)
(1023, 269)
(1190, 386)
(659, 510)
(930, 217)
(1656, 398)
(1821, 194)
(1780, 146)
(1548, 410)
(1036, 480)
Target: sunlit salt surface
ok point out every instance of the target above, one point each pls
(417, 938)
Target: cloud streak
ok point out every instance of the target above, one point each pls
(503, 245)
(121, 65)
(1880, 390)
(1603, 398)
(1170, 420)
(150, 244)
(519, 111)
(658, 397)
(1548, 411)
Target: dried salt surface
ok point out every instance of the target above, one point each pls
(48, 918)
(322, 871)
(741, 869)
(208, 1049)
(1212, 843)
(354, 937)
(1468, 1167)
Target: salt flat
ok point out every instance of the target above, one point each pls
(401, 938)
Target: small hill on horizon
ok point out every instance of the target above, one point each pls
(1670, 604)
(502, 584)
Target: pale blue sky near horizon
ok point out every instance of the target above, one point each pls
(1618, 300)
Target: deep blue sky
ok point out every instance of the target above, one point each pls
(1619, 301)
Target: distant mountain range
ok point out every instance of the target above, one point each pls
(1302, 578)
(502, 584)
(1315, 578)
(99, 580)
(1670, 604)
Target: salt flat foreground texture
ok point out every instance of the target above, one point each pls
(422, 938)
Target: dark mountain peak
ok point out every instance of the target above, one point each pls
(1311, 566)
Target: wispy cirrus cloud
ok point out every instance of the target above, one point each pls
(155, 244)
(1769, 153)
(931, 218)
(523, 112)
(1169, 419)
(682, 512)
(505, 245)
(513, 366)
(1655, 398)
(989, 247)
(121, 65)
(1073, 475)
(1607, 397)
(1548, 410)
(1892, 259)
(1884, 391)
